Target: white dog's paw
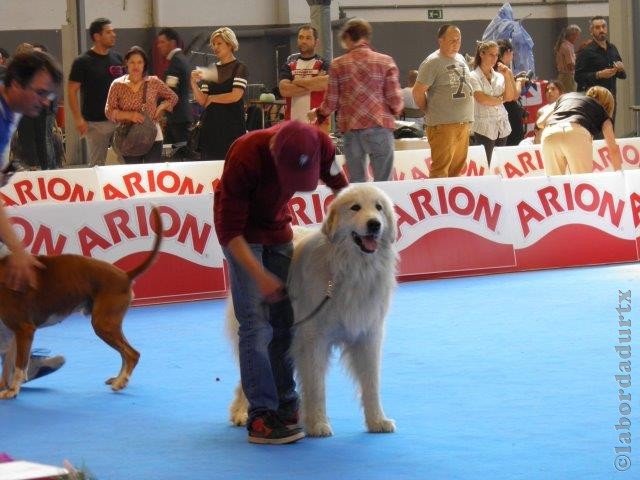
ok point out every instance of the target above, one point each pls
(239, 408)
(318, 429)
(382, 425)
(238, 418)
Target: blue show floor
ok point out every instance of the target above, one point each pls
(497, 377)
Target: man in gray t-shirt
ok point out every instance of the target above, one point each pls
(444, 90)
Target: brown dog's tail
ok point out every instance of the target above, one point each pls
(132, 274)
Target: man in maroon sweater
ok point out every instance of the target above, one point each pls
(262, 171)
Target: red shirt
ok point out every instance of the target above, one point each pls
(250, 201)
(364, 88)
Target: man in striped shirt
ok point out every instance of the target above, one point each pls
(304, 77)
(364, 88)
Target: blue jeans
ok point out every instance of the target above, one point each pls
(6, 335)
(266, 370)
(378, 143)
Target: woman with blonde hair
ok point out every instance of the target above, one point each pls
(220, 90)
(569, 127)
(491, 126)
(604, 97)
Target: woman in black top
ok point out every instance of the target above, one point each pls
(220, 93)
(513, 107)
(569, 127)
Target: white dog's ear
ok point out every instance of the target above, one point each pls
(390, 213)
(330, 223)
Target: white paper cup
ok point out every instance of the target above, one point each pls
(208, 74)
(172, 81)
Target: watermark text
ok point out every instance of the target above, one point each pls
(622, 461)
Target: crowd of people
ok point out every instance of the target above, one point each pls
(448, 99)
(485, 101)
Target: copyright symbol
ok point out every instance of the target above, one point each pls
(622, 463)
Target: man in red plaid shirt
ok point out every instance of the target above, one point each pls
(364, 88)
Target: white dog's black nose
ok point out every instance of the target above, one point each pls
(373, 226)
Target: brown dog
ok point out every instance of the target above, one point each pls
(70, 283)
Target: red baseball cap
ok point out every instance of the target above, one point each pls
(296, 150)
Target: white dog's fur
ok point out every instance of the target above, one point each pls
(354, 250)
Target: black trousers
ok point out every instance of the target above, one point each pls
(176, 132)
(154, 155)
(488, 144)
(516, 114)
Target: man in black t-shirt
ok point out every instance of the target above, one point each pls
(91, 75)
(599, 62)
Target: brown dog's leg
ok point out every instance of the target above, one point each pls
(107, 316)
(23, 340)
(8, 364)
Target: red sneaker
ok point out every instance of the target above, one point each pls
(267, 428)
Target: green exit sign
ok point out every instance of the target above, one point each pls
(434, 14)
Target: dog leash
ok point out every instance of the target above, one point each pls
(327, 295)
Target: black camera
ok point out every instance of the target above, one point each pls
(528, 76)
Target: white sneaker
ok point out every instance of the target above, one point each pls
(41, 365)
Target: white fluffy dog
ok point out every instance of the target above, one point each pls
(340, 283)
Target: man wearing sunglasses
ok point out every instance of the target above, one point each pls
(30, 85)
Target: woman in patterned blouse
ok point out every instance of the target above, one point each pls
(125, 102)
